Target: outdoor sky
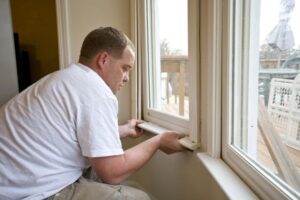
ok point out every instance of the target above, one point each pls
(269, 19)
(173, 21)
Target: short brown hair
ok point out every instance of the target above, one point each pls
(106, 39)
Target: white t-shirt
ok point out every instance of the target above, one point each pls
(47, 131)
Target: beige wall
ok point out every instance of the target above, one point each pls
(87, 15)
(176, 177)
(35, 21)
(179, 176)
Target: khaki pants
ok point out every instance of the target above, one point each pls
(91, 189)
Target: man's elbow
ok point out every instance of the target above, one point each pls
(110, 170)
(111, 179)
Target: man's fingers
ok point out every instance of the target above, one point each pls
(138, 121)
(181, 135)
(177, 134)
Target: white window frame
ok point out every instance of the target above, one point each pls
(262, 182)
(214, 18)
(189, 126)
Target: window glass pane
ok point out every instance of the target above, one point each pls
(170, 45)
(266, 87)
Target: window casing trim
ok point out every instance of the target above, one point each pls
(211, 41)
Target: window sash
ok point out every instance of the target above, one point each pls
(172, 122)
(266, 185)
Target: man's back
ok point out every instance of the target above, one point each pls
(39, 152)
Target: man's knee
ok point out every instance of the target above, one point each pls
(132, 193)
(92, 190)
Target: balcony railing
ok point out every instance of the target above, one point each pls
(176, 69)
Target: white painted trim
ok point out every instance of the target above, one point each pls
(134, 72)
(237, 55)
(142, 30)
(253, 75)
(211, 29)
(156, 73)
(265, 185)
(230, 183)
(62, 13)
(194, 72)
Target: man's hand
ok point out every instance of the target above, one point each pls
(131, 129)
(169, 142)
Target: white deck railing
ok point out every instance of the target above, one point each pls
(284, 109)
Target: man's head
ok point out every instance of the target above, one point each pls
(110, 53)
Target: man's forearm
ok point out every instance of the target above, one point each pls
(115, 169)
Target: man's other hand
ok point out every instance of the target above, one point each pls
(131, 129)
(169, 142)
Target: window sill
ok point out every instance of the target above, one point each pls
(155, 129)
(152, 128)
(223, 175)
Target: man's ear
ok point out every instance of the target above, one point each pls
(102, 60)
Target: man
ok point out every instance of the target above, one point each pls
(67, 122)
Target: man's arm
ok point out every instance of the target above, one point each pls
(115, 169)
(131, 129)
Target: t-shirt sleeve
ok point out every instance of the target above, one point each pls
(97, 129)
